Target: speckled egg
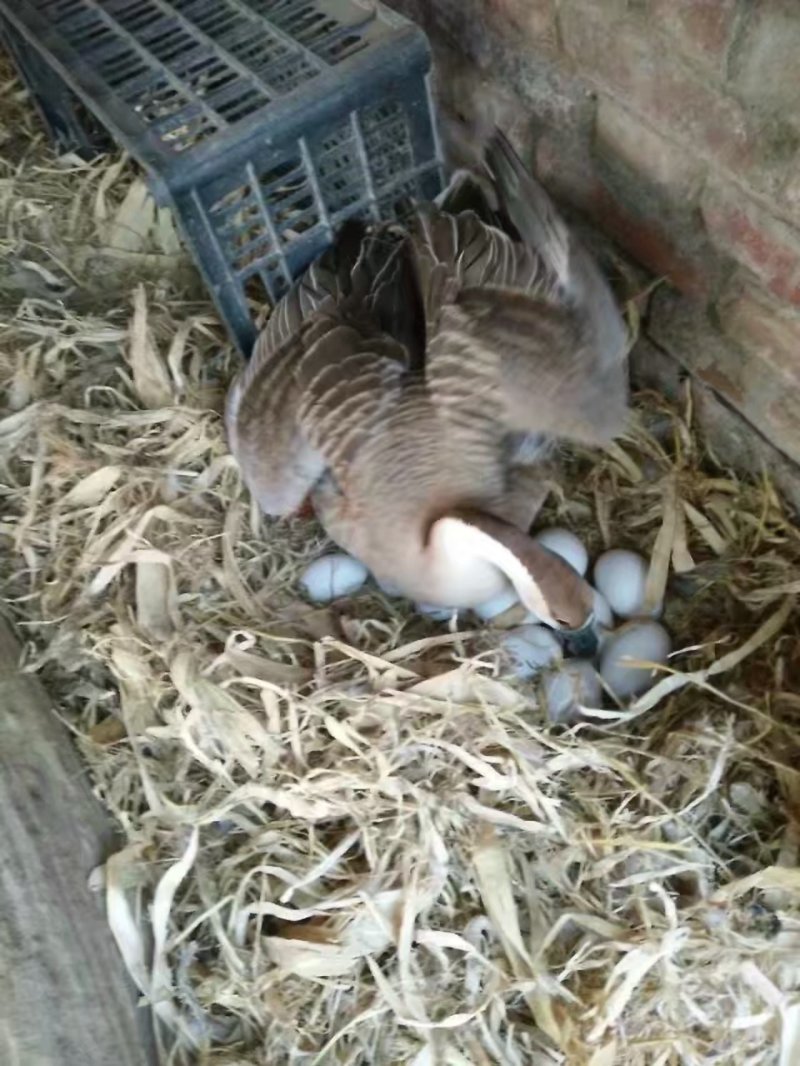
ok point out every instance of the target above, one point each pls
(529, 649)
(564, 543)
(332, 576)
(645, 641)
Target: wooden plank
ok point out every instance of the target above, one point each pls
(65, 998)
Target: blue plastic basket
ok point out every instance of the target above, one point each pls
(262, 123)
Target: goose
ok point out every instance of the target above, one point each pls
(412, 382)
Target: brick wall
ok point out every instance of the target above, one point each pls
(673, 126)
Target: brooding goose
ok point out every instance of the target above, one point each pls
(411, 379)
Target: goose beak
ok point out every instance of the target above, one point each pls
(582, 643)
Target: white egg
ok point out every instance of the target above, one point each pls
(332, 576)
(604, 634)
(621, 576)
(436, 613)
(567, 545)
(574, 684)
(603, 621)
(603, 616)
(530, 649)
(497, 604)
(644, 641)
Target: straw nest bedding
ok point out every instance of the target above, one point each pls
(348, 838)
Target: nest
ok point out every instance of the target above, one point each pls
(348, 836)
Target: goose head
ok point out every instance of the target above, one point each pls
(545, 583)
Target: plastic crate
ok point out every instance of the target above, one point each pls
(262, 123)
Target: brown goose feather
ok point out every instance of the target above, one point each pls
(413, 371)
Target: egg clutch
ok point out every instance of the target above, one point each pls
(631, 642)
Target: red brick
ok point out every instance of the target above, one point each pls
(766, 328)
(766, 68)
(741, 373)
(729, 435)
(572, 178)
(650, 244)
(755, 239)
(701, 29)
(628, 59)
(662, 162)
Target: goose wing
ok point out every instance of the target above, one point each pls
(367, 274)
(523, 366)
(522, 327)
(582, 286)
(303, 410)
(330, 359)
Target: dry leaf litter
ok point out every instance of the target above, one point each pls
(349, 838)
